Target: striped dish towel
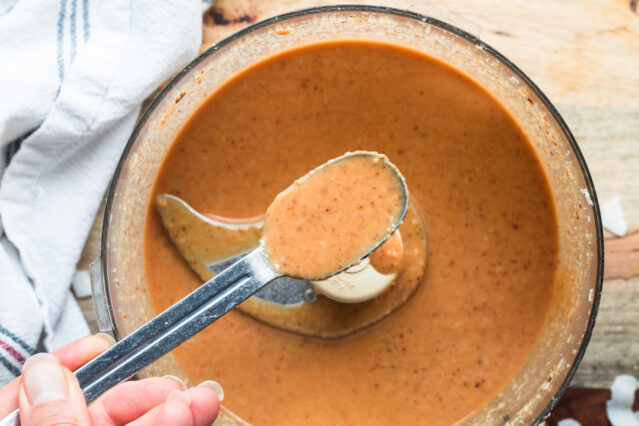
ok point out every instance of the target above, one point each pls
(73, 74)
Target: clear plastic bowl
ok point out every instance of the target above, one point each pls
(119, 284)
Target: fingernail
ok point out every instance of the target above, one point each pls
(107, 338)
(43, 379)
(217, 388)
(177, 380)
(179, 395)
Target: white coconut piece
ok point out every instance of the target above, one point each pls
(619, 408)
(568, 422)
(612, 217)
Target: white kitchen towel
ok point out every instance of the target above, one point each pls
(73, 74)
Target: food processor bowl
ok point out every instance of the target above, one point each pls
(122, 301)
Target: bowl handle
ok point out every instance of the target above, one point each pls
(101, 302)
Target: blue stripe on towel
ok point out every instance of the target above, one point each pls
(73, 32)
(61, 16)
(85, 19)
(12, 369)
(8, 8)
(18, 340)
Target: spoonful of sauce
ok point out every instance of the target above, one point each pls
(334, 216)
(324, 223)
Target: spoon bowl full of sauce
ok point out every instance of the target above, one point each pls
(324, 223)
(334, 216)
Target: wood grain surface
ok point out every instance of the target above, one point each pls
(585, 56)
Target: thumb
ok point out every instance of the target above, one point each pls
(50, 394)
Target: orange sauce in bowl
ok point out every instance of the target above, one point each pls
(474, 180)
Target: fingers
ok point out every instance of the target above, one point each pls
(197, 406)
(175, 411)
(9, 397)
(131, 400)
(73, 356)
(143, 399)
(49, 394)
(76, 354)
(205, 402)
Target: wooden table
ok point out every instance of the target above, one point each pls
(585, 56)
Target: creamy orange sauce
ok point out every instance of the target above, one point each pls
(333, 216)
(476, 183)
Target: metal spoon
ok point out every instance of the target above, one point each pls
(194, 312)
(211, 244)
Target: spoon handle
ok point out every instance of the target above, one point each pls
(172, 327)
(175, 325)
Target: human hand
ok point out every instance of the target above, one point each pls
(47, 393)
